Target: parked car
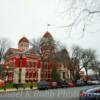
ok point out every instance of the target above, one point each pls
(2, 83)
(96, 82)
(42, 85)
(53, 84)
(62, 84)
(90, 94)
(80, 83)
(18, 86)
(71, 84)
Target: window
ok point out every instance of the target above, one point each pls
(30, 75)
(33, 64)
(49, 75)
(45, 65)
(27, 74)
(28, 64)
(64, 75)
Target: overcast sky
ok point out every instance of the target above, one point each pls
(29, 18)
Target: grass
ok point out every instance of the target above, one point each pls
(9, 85)
(1, 88)
(26, 85)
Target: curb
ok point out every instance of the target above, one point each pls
(15, 90)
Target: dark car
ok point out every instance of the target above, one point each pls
(18, 86)
(53, 84)
(62, 84)
(42, 85)
(90, 94)
(80, 83)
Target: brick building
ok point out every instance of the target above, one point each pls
(23, 64)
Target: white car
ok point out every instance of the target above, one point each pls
(96, 82)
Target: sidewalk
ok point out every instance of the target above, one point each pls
(15, 90)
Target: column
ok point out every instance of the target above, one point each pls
(39, 74)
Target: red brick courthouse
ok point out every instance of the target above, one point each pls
(23, 64)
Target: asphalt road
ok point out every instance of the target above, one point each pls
(52, 94)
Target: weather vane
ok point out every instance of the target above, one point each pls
(48, 26)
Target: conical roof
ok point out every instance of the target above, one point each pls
(24, 39)
(47, 34)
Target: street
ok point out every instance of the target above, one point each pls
(51, 94)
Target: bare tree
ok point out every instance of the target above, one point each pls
(87, 59)
(95, 66)
(4, 45)
(82, 13)
(86, 56)
(75, 60)
(98, 69)
(77, 53)
(36, 45)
